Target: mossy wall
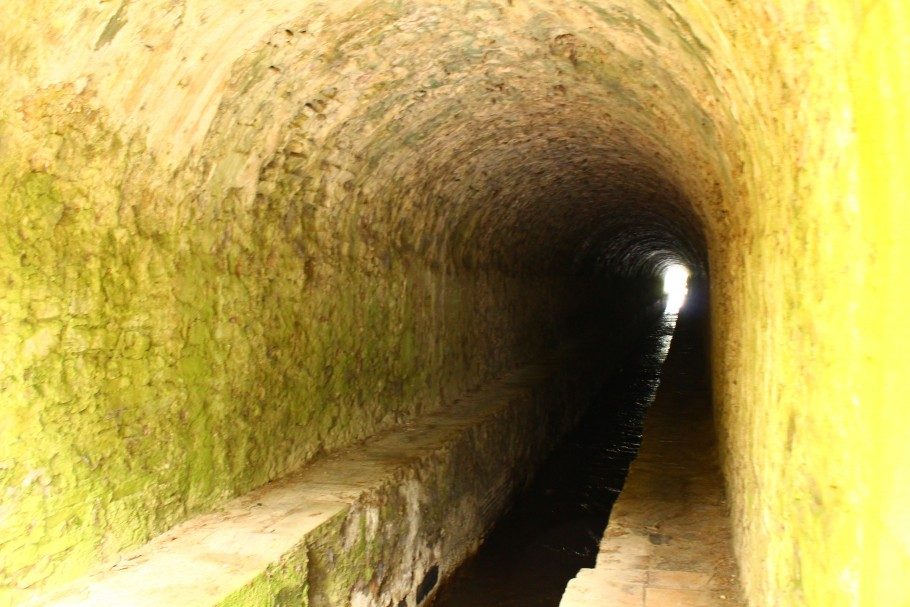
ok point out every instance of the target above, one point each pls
(157, 365)
(235, 234)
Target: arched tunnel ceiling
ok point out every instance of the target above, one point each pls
(533, 136)
(179, 174)
(524, 137)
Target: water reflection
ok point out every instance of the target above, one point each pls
(554, 529)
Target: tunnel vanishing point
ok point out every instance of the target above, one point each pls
(243, 243)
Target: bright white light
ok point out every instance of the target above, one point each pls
(676, 280)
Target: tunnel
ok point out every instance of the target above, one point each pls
(297, 295)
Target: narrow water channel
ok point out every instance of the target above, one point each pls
(554, 528)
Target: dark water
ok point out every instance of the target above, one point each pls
(554, 529)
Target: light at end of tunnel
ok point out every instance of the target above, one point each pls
(676, 280)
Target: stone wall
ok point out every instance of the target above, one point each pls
(379, 523)
(236, 234)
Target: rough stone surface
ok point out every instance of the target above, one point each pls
(669, 542)
(364, 525)
(235, 234)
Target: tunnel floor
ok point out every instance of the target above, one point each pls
(668, 543)
(554, 527)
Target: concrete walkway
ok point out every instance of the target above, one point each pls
(668, 540)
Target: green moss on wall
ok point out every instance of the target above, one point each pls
(282, 585)
(228, 243)
(164, 351)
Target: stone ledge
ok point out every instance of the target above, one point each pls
(374, 524)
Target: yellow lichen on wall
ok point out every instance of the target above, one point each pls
(172, 337)
(234, 234)
(881, 94)
(806, 306)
